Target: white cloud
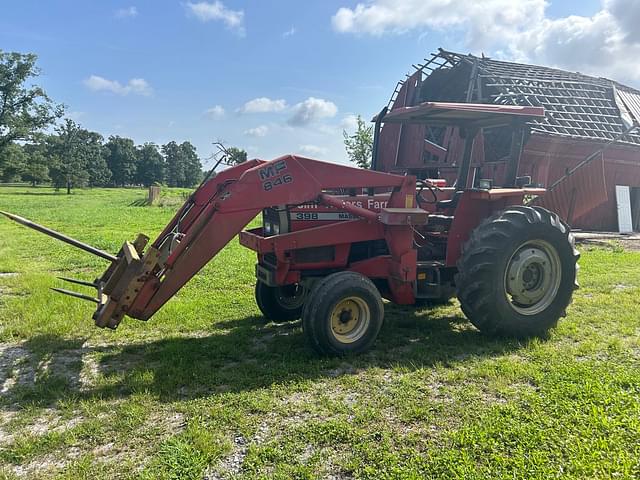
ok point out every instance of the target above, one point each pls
(217, 11)
(480, 18)
(127, 12)
(311, 110)
(627, 14)
(312, 150)
(259, 131)
(215, 112)
(603, 44)
(349, 122)
(138, 86)
(263, 105)
(292, 31)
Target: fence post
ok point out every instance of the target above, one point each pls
(154, 194)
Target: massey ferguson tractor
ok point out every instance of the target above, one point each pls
(337, 240)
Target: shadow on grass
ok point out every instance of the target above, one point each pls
(141, 202)
(237, 355)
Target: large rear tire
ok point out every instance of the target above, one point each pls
(280, 304)
(344, 314)
(518, 272)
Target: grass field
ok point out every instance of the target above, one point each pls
(207, 389)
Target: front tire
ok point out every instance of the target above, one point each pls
(517, 272)
(280, 304)
(343, 315)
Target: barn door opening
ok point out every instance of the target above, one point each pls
(635, 208)
(623, 200)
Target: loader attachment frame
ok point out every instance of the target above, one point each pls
(223, 206)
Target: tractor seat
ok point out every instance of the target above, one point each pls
(451, 203)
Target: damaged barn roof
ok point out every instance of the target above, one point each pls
(576, 105)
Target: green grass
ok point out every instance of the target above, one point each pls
(206, 387)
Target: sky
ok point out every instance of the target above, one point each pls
(287, 76)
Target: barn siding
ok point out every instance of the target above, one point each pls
(547, 159)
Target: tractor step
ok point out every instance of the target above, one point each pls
(429, 284)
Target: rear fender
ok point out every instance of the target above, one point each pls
(476, 205)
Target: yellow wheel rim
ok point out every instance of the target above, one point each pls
(350, 319)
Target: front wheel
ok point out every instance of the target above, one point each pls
(343, 315)
(280, 304)
(517, 273)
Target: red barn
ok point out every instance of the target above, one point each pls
(590, 123)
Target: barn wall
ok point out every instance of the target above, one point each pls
(547, 159)
(401, 145)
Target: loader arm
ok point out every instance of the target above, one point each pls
(141, 282)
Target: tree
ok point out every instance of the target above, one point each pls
(192, 165)
(150, 165)
(121, 160)
(77, 157)
(12, 162)
(99, 173)
(174, 166)
(236, 156)
(36, 170)
(68, 162)
(23, 110)
(359, 146)
(183, 168)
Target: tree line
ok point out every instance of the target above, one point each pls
(72, 156)
(76, 157)
(36, 146)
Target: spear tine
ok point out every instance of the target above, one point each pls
(78, 282)
(75, 294)
(60, 236)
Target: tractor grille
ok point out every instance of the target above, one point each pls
(315, 254)
(270, 259)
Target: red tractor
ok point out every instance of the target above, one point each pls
(335, 240)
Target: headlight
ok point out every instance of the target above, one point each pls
(276, 229)
(267, 228)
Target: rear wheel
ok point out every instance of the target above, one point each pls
(280, 304)
(343, 315)
(518, 272)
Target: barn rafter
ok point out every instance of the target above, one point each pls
(576, 105)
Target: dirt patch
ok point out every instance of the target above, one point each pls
(89, 372)
(8, 274)
(48, 421)
(171, 423)
(5, 418)
(46, 464)
(79, 367)
(231, 465)
(610, 240)
(52, 422)
(15, 367)
(343, 369)
(161, 425)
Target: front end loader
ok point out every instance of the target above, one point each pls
(335, 240)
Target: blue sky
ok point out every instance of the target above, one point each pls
(285, 76)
